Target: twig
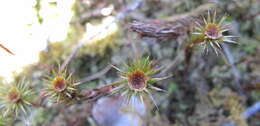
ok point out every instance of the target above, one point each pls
(156, 28)
(7, 50)
(194, 12)
(96, 75)
(93, 94)
(89, 14)
(174, 63)
(251, 110)
(236, 73)
(133, 45)
(89, 95)
(118, 17)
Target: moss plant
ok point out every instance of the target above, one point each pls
(61, 88)
(211, 33)
(15, 98)
(138, 80)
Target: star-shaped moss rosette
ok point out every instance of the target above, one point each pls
(15, 98)
(61, 88)
(211, 34)
(138, 81)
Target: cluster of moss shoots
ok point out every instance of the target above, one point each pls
(137, 77)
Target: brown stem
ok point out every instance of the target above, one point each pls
(94, 94)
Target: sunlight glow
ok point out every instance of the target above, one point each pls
(107, 11)
(92, 30)
(21, 32)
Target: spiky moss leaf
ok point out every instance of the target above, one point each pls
(15, 98)
(143, 64)
(137, 80)
(61, 88)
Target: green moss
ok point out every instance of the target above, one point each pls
(42, 116)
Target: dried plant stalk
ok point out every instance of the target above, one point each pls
(161, 30)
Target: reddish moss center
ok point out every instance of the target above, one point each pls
(13, 95)
(137, 80)
(212, 31)
(59, 83)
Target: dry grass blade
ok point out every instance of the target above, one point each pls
(6, 49)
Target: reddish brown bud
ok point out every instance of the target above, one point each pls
(212, 31)
(59, 84)
(13, 95)
(137, 80)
